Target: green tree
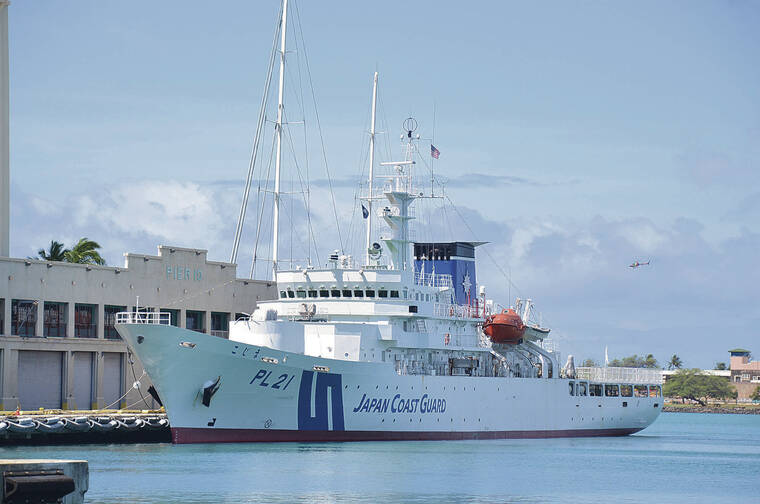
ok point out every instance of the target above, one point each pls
(56, 252)
(589, 363)
(85, 252)
(720, 366)
(675, 362)
(756, 394)
(634, 361)
(694, 385)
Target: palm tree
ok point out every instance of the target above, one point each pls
(675, 362)
(55, 253)
(85, 252)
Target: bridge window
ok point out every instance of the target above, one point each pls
(358, 293)
(654, 391)
(595, 390)
(394, 294)
(406, 294)
(611, 390)
(640, 390)
(283, 294)
(581, 389)
(324, 293)
(346, 292)
(335, 293)
(382, 293)
(370, 293)
(312, 293)
(301, 293)
(572, 388)
(291, 294)
(626, 390)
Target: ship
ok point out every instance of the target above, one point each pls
(400, 344)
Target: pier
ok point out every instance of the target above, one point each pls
(52, 427)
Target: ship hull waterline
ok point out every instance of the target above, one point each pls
(268, 395)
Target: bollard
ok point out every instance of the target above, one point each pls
(33, 480)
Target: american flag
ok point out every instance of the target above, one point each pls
(434, 152)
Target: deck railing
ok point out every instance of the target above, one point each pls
(457, 311)
(433, 279)
(155, 318)
(619, 375)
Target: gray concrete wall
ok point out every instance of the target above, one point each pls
(177, 278)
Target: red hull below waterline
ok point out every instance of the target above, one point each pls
(186, 435)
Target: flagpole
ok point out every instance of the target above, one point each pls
(432, 161)
(371, 166)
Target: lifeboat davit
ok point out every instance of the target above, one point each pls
(504, 327)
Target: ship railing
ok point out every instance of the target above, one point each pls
(619, 375)
(155, 318)
(447, 310)
(440, 280)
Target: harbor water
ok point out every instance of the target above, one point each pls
(682, 457)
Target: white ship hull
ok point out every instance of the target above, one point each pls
(283, 398)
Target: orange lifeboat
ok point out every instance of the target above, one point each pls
(504, 327)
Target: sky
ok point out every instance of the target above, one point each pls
(575, 137)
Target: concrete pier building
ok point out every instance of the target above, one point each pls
(58, 346)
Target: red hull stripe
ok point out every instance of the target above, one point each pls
(183, 435)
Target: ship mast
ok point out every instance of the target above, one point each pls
(371, 166)
(278, 131)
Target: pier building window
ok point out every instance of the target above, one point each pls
(640, 390)
(581, 389)
(324, 293)
(370, 293)
(382, 293)
(173, 316)
(220, 324)
(24, 317)
(394, 294)
(85, 321)
(595, 390)
(312, 293)
(626, 390)
(611, 390)
(301, 294)
(109, 319)
(194, 320)
(334, 293)
(358, 293)
(654, 391)
(346, 292)
(54, 321)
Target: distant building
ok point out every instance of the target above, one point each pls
(58, 344)
(745, 373)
